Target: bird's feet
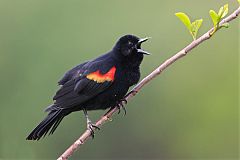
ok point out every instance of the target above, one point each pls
(120, 104)
(91, 127)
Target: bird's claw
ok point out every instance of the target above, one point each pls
(121, 105)
(91, 127)
(123, 101)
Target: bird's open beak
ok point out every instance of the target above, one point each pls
(143, 40)
(140, 42)
(142, 52)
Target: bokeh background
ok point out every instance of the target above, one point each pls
(189, 112)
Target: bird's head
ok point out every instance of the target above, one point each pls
(130, 46)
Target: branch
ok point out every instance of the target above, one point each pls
(86, 135)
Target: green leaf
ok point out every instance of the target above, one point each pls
(185, 19)
(220, 12)
(239, 2)
(195, 27)
(215, 17)
(225, 10)
(225, 25)
(192, 27)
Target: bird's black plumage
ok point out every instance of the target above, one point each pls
(97, 84)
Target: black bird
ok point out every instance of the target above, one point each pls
(96, 84)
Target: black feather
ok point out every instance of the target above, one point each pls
(52, 120)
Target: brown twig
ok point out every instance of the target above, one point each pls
(86, 135)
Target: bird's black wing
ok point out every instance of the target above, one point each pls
(92, 80)
(71, 73)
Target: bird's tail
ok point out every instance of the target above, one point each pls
(52, 120)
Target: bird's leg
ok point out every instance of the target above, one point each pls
(90, 125)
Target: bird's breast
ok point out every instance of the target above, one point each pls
(127, 76)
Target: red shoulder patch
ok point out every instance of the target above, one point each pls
(100, 78)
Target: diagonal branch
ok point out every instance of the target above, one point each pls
(87, 134)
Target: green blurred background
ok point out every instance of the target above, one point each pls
(189, 112)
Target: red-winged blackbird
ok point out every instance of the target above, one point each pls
(97, 84)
